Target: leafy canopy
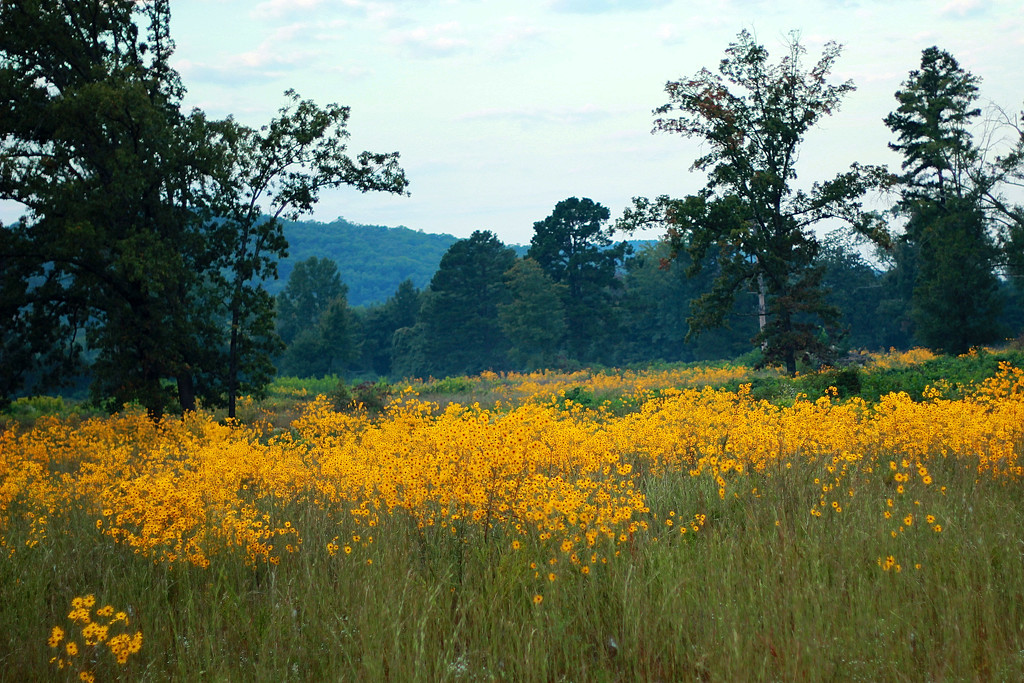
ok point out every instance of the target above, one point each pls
(751, 219)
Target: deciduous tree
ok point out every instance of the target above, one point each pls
(93, 143)
(751, 217)
(149, 229)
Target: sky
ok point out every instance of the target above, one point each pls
(500, 110)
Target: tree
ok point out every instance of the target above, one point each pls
(955, 302)
(854, 287)
(1007, 170)
(94, 145)
(314, 320)
(752, 117)
(460, 332)
(272, 174)
(145, 226)
(328, 346)
(574, 247)
(380, 323)
(656, 302)
(533, 318)
(312, 285)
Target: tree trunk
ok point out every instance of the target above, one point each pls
(186, 391)
(233, 363)
(791, 362)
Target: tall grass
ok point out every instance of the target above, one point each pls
(818, 564)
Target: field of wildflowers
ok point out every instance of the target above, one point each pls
(582, 526)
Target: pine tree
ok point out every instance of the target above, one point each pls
(955, 302)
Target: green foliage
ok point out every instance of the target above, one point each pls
(457, 330)
(95, 146)
(752, 118)
(151, 230)
(381, 324)
(372, 397)
(372, 259)
(311, 286)
(955, 302)
(448, 385)
(305, 386)
(655, 306)
(533, 318)
(574, 247)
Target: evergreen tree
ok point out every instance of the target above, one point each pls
(574, 247)
(955, 302)
(533, 318)
(458, 326)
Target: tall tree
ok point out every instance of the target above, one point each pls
(276, 173)
(458, 320)
(752, 117)
(94, 145)
(533, 317)
(574, 247)
(146, 226)
(955, 302)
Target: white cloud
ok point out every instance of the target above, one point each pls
(670, 34)
(267, 62)
(273, 9)
(516, 37)
(965, 8)
(384, 13)
(587, 113)
(440, 40)
(601, 6)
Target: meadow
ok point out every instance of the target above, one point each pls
(700, 522)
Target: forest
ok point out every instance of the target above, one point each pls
(149, 261)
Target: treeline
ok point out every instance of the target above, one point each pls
(487, 309)
(742, 268)
(150, 230)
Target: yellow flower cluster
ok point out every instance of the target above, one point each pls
(533, 468)
(185, 491)
(542, 385)
(898, 359)
(94, 635)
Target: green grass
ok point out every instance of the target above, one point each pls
(764, 591)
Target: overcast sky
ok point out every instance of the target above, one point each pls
(502, 109)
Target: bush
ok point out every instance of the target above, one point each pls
(370, 396)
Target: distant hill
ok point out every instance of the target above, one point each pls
(372, 259)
